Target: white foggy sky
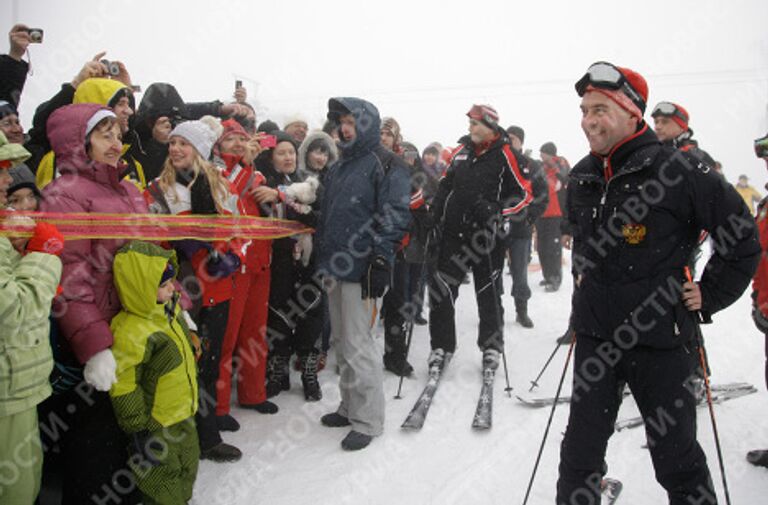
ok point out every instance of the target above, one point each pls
(426, 62)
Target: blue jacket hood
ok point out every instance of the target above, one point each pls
(367, 124)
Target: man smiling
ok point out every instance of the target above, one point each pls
(635, 209)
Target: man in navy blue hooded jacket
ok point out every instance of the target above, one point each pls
(365, 214)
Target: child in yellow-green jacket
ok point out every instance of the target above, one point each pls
(155, 397)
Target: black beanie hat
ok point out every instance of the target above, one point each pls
(517, 132)
(549, 148)
(267, 126)
(168, 273)
(6, 109)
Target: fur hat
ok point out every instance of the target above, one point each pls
(294, 118)
(202, 134)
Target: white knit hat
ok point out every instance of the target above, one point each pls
(202, 134)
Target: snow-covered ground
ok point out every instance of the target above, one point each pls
(289, 458)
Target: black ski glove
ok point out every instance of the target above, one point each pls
(146, 447)
(376, 278)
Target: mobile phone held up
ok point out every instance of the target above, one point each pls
(35, 35)
(268, 141)
(238, 85)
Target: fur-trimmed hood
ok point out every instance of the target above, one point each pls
(333, 152)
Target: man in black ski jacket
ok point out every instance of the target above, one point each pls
(482, 185)
(635, 208)
(520, 229)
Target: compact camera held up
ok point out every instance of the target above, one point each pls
(35, 35)
(112, 67)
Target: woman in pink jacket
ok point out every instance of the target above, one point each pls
(87, 142)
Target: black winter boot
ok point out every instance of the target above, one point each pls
(312, 392)
(277, 375)
(222, 453)
(397, 364)
(521, 306)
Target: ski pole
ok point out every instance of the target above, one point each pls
(549, 421)
(499, 322)
(410, 322)
(535, 382)
(704, 369)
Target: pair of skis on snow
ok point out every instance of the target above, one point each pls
(611, 488)
(483, 413)
(720, 393)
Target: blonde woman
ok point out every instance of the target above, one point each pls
(190, 184)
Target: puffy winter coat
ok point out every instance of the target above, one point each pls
(27, 287)
(156, 369)
(365, 211)
(243, 178)
(636, 215)
(89, 301)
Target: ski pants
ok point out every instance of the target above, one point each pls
(245, 339)
(212, 322)
(458, 255)
(397, 308)
(361, 380)
(519, 257)
(21, 457)
(170, 481)
(660, 383)
(550, 249)
(295, 307)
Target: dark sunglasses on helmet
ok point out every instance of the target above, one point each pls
(605, 75)
(669, 109)
(761, 147)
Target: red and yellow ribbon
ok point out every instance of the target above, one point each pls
(156, 227)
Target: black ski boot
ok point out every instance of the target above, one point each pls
(521, 306)
(277, 375)
(312, 392)
(394, 350)
(397, 364)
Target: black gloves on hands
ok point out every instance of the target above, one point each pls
(376, 278)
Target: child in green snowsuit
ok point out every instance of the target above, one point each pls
(155, 396)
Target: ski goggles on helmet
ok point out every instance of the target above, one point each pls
(607, 76)
(484, 113)
(761, 147)
(669, 109)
